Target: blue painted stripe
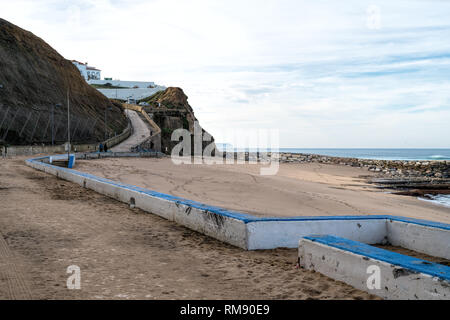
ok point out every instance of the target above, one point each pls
(407, 262)
(246, 218)
(426, 223)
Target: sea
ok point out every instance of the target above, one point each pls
(377, 154)
(381, 154)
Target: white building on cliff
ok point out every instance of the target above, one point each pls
(87, 72)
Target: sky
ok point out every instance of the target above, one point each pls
(325, 73)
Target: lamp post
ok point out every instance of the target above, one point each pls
(68, 128)
(53, 121)
(106, 121)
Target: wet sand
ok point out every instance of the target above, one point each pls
(297, 189)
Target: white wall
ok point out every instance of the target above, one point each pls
(428, 240)
(287, 233)
(82, 69)
(137, 94)
(126, 84)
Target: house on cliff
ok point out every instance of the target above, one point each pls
(88, 72)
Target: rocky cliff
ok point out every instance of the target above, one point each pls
(170, 110)
(34, 79)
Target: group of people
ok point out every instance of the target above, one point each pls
(103, 147)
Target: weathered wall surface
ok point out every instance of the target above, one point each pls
(400, 276)
(37, 149)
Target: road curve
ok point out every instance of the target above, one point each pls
(140, 133)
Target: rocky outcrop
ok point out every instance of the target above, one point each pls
(170, 110)
(34, 78)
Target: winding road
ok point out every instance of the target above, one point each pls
(140, 133)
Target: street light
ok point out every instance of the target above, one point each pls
(106, 123)
(68, 128)
(58, 105)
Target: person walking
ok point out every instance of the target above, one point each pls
(5, 150)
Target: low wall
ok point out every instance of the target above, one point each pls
(269, 234)
(421, 238)
(250, 232)
(214, 222)
(125, 84)
(30, 150)
(124, 94)
(424, 236)
(111, 142)
(400, 276)
(14, 151)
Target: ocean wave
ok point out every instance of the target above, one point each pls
(438, 156)
(440, 199)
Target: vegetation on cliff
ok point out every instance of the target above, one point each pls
(34, 79)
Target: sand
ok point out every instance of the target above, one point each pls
(297, 190)
(47, 224)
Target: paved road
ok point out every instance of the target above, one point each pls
(140, 133)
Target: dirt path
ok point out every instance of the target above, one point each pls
(140, 133)
(49, 224)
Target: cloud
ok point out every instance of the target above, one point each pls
(312, 69)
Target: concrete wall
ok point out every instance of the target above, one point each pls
(401, 277)
(14, 151)
(286, 232)
(111, 142)
(427, 239)
(196, 216)
(30, 150)
(124, 94)
(126, 84)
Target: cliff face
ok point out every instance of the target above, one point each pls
(33, 79)
(170, 110)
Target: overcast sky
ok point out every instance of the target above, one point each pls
(349, 73)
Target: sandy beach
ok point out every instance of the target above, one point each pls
(48, 224)
(297, 190)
